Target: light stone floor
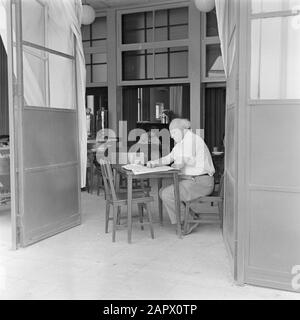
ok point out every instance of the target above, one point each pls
(83, 263)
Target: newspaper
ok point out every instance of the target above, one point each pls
(139, 169)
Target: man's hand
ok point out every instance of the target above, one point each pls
(152, 164)
(177, 166)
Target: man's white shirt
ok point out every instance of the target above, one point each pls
(193, 153)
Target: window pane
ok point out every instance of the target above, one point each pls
(86, 44)
(161, 18)
(99, 58)
(211, 24)
(62, 82)
(85, 31)
(161, 63)
(98, 43)
(135, 65)
(59, 37)
(275, 63)
(33, 22)
(161, 34)
(87, 58)
(100, 73)
(99, 30)
(179, 32)
(179, 62)
(34, 77)
(171, 24)
(137, 27)
(179, 16)
(214, 62)
(259, 6)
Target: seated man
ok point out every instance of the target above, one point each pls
(191, 155)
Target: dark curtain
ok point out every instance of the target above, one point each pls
(4, 117)
(130, 107)
(186, 101)
(215, 102)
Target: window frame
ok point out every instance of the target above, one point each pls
(149, 45)
(101, 49)
(258, 16)
(45, 52)
(205, 42)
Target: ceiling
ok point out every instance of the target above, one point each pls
(102, 4)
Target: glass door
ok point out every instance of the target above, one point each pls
(45, 117)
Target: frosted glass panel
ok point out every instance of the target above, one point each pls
(62, 84)
(214, 61)
(34, 77)
(259, 6)
(33, 22)
(275, 63)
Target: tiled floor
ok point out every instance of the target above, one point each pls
(83, 263)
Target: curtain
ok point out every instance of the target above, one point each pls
(4, 117)
(176, 100)
(215, 105)
(222, 12)
(63, 23)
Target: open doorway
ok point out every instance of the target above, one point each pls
(5, 211)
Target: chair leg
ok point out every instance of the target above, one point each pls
(98, 184)
(147, 207)
(114, 223)
(220, 207)
(119, 216)
(140, 208)
(186, 218)
(107, 216)
(88, 180)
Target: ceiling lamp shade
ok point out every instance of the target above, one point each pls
(88, 14)
(205, 5)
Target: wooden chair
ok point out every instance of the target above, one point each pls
(211, 211)
(119, 199)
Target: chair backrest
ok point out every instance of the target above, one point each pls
(108, 179)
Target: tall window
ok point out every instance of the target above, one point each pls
(211, 50)
(154, 45)
(94, 38)
(275, 50)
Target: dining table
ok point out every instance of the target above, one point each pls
(129, 175)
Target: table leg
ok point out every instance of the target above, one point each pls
(92, 175)
(129, 207)
(177, 203)
(160, 208)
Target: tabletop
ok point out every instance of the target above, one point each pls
(158, 174)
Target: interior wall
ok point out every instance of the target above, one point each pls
(4, 118)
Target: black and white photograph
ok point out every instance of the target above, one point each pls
(149, 151)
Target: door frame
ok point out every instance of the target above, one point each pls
(12, 130)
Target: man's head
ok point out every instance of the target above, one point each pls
(178, 128)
